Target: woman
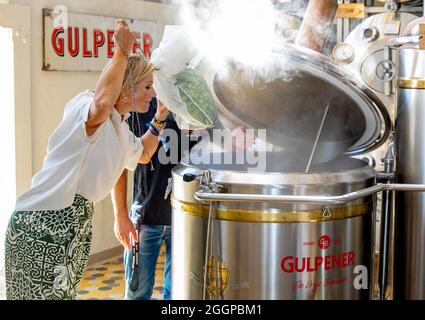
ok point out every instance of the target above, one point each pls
(49, 234)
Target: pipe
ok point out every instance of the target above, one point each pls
(325, 114)
(317, 24)
(229, 197)
(387, 198)
(400, 41)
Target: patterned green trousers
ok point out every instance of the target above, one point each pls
(47, 252)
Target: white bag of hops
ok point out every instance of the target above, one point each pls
(179, 85)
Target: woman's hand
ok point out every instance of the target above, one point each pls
(124, 37)
(109, 85)
(161, 111)
(124, 230)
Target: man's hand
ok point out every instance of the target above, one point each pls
(124, 231)
(242, 138)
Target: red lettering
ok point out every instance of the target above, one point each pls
(86, 53)
(73, 49)
(287, 267)
(136, 43)
(317, 262)
(110, 42)
(309, 268)
(291, 264)
(351, 258)
(344, 260)
(336, 260)
(97, 42)
(147, 44)
(297, 267)
(58, 43)
(332, 282)
(327, 262)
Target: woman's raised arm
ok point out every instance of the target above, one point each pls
(109, 85)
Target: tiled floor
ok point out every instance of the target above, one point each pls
(105, 281)
(2, 285)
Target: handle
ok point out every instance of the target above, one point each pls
(189, 177)
(234, 197)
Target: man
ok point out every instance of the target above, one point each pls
(151, 209)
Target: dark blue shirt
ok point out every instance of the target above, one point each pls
(151, 180)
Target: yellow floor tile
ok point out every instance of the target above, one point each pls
(105, 280)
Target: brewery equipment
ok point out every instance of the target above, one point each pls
(367, 54)
(372, 7)
(263, 249)
(410, 166)
(317, 12)
(377, 60)
(267, 250)
(302, 225)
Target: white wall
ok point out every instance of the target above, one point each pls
(7, 146)
(51, 90)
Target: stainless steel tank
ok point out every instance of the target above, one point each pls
(262, 249)
(367, 54)
(410, 168)
(273, 251)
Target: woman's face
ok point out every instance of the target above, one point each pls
(144, 92)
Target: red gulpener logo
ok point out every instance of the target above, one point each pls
(324, 242)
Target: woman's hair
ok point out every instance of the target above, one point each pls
(140, 67)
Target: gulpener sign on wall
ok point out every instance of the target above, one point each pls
(82, 42)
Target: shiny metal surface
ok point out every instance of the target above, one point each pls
(273, 216)
(358, 121)
(369, 54)
(410, 168)
(411, 83)
(400, 1)
(257, 260)
(253, 253)
(412, 29)
(309, 199)
(386, 239)
(373, 64)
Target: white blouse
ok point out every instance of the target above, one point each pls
(79, 164)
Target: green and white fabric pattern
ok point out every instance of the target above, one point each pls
(47, 251)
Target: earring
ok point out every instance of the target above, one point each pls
(124, 100)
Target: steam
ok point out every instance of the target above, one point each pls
(233, 29)
(243, 33)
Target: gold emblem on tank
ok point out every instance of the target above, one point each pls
(223, 277)
(274, 216)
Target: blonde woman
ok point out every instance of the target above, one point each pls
(49, 234)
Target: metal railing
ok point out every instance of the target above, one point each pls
(205, 196)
